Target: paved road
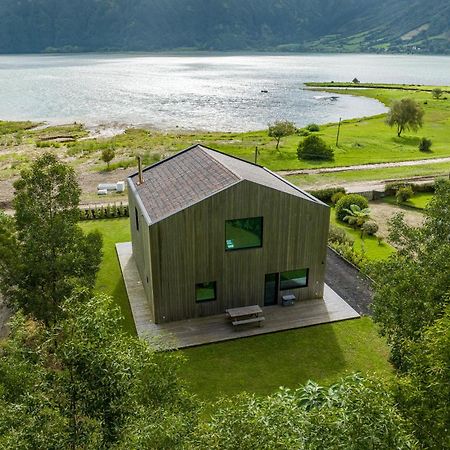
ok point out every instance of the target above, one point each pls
(349, 283)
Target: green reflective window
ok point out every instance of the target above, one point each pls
(293, 279)
(205, 291)
(243, 233)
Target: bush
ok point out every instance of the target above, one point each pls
(347, 251)
(404, 194)
(336, 197)
(346, 201)
(303, 132)
(313, 127)
(437, 93)
(425, 145)
(339, 235)
(392, 188)
(104, 212)
(325, 195)
(314, 148)
(369, 228)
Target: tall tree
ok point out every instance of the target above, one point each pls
(46, 254)
(405, 114)
(413, 285)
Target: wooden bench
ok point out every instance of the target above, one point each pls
(252, 320)
(245, 315)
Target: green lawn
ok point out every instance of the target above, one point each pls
(373, 250)
(109, 279)
(261, 364)
(418, 201)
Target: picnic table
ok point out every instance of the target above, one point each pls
(245, 315)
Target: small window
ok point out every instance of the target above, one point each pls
(293, 279)
(136, 215)
(243, 233)
(205, 291)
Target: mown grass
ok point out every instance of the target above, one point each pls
(387, 174)
(261, 364)
(109, 278)
(418, 201)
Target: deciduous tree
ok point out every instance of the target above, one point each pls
(405, 114)
(44, 252)
(280, 129)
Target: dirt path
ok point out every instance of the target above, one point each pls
(418, 162)
(382, 212)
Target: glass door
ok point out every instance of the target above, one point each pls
(271, 289)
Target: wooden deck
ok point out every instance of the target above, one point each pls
(205, 330)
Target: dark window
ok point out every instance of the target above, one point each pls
(243, 233)
(136, 215)
(205, 291)
(293, 279)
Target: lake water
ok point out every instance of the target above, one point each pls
(200, 91)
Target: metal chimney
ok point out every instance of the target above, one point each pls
(141, 179)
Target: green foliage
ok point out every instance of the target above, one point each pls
(313, 127)
(412, 286)
(280, 129)
(336, 197)
(425, 145)
(104, 212)
(437, 93)
(326, 195)
(355, 413)
(46, 254)
(314, 148)
(369, 228)
(405, 114)
(423, 393)
(85, 384)
(355, 215)
(108, 155)
(403, 194)
(348, 252)
(345, 202)
(339, 235)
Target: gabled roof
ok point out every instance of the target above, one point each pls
(196, 173)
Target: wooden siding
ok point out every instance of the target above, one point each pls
(189, 248)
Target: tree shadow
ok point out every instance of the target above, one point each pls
(407, 140)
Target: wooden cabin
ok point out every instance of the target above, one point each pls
(212, 232)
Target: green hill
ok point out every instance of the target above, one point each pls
(278, 25)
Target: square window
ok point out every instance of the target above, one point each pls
(243, 233)
(205, 291)
(293, 279)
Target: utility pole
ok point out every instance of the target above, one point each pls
(338, 131)
(256, 155)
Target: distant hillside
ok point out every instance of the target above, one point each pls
(279, 25)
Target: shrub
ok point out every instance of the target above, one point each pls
(425, 145)
(104, 212)
(313, 127)
(303, 132)
(339, 235)
(314, 148)
(337, 196)
(345, 203)
(392, 188)
(369, 228)
(347, 251)
(437, 93)
(325, 195)
(404, 194)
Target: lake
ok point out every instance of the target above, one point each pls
(199, 91)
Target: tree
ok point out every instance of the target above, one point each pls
(44, 252)
(412, 286)
(437, 93)
(423, 393)
(280, 129)
(405, 114)
(314, 148)
(355, 413)
(108, 155)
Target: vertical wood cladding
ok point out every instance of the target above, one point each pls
(189, 248)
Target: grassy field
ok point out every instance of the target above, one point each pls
(263, 363)
(353, 176)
